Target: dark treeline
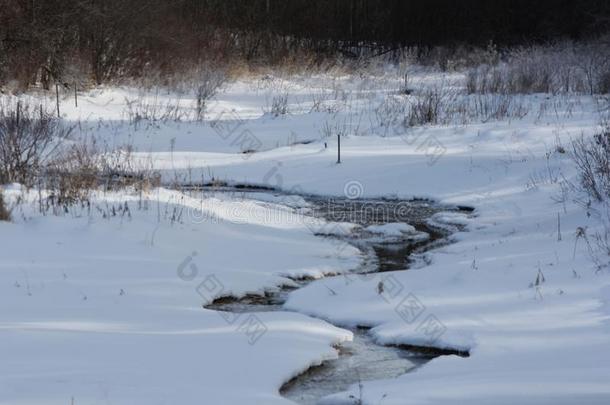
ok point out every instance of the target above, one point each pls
(421, 22)
(42, 41)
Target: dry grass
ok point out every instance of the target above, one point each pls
(86, 167)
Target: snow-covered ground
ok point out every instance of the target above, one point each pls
(103, 305)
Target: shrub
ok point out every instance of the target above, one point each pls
(279, 105)
(209, 82)
(431, 106)
(604, 81)
(484, 79)
(84, 167)
(75, 173)
(489, 107)
(592, 158)
(154, 109)
(4, 212)
(556, 68)
(334, 128)
(28, 139)
(444, 105)
(201, 81)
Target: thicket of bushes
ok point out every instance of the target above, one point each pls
(561, 67)
(36, 151)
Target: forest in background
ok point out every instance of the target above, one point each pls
(102, 41)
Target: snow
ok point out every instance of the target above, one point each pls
(98, 308)
(93, 307)
(391, 229)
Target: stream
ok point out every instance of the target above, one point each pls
(361, 359)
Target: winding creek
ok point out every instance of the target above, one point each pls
(361, 359)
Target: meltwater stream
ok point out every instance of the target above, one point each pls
(361, 359)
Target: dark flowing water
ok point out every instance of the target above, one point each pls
(361, 359)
